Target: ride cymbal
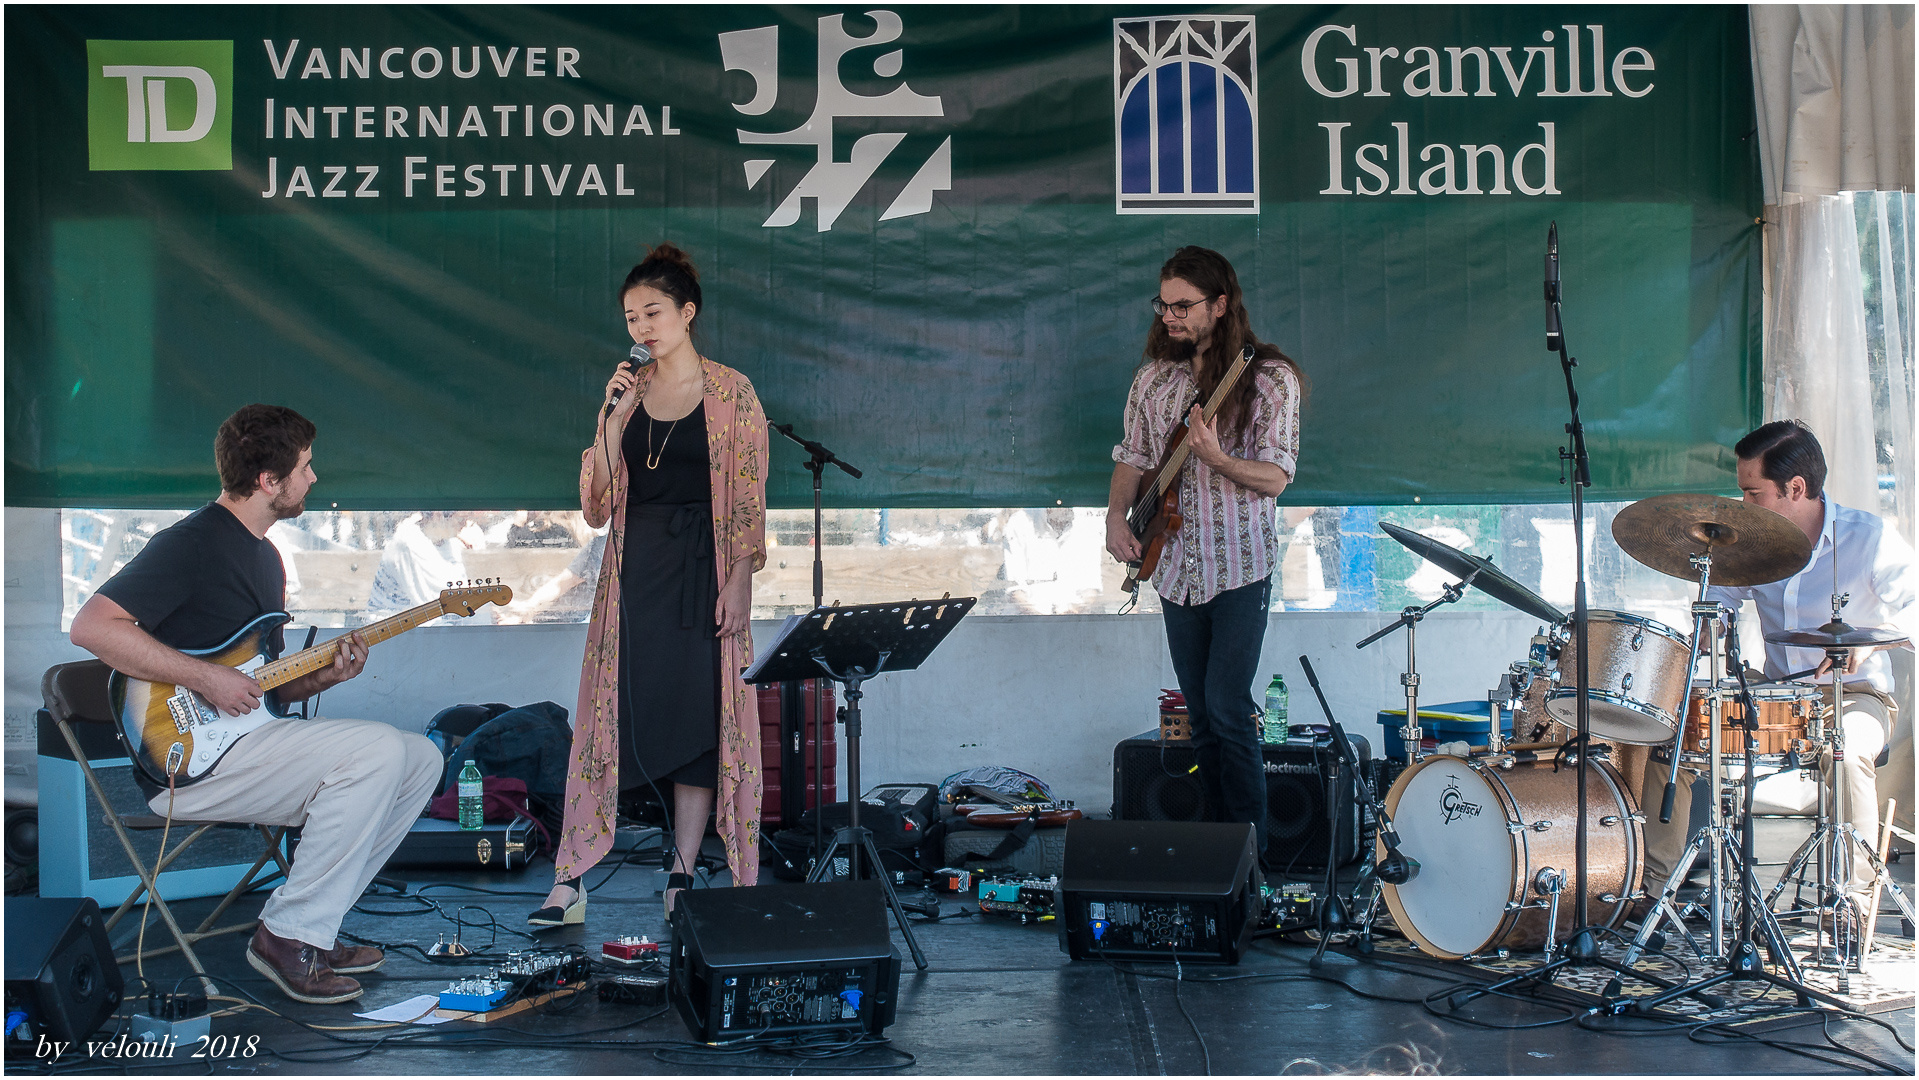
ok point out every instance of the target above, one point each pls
(1490, 581)
(1749, 544)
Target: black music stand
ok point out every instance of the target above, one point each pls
(851, 645)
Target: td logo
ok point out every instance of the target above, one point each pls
(159, 105)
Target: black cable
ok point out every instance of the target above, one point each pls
(1205, 1055)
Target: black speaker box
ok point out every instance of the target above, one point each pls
(783, 959)
(60, 966)
(1158, 890)
(1154, 781)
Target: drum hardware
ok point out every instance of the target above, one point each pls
(1743, 963)
(1837, 912)
(1409, 618)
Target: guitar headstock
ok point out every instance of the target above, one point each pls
(465, 601)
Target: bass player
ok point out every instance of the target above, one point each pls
(1213, 573)
(355, 786)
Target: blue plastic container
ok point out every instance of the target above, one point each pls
(1452, 721)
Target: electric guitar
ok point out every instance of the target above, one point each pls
(1154, 516)
(1001, 812)
(175, 736)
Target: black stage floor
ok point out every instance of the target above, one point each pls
(998, 998)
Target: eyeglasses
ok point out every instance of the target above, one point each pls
(1179, 308)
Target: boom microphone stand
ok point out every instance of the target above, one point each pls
(818, 458)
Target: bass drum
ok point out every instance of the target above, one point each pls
(1487, 839)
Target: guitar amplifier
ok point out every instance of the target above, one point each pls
(1155, 781)
(80, 856)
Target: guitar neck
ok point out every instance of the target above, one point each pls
(307, 661)
(1170, 470)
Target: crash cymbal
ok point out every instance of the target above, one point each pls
(1750, 545)
(1837, 634)
(1490, 581)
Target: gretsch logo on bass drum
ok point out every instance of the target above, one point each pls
(1453, 804)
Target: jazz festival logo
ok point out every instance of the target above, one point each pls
(162, 105)
(1185, 115)
(834, 184)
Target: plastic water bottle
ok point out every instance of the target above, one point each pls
(472, 797)
(1277, 729)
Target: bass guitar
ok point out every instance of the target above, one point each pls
(1154, 516)
(175, 736)
(1001, 812)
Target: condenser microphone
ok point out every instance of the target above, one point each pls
(1555, 338)
(639, 357)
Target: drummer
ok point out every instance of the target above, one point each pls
(1782, 469)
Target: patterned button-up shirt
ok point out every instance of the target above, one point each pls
(1229, 538)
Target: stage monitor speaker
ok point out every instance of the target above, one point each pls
(781, 960)
(1158, 890)
(1155, 781)
(59, 966)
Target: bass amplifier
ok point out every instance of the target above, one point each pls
(1156, 781)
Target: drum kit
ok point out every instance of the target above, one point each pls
(1495, 832)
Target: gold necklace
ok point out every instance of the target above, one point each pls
(653, 459)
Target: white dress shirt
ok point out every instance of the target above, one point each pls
(1875, 568)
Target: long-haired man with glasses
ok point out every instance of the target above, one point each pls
(1214, 574)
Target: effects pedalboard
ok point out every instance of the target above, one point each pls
(524, 975)
(1028, 899)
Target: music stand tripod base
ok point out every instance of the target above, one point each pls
(850, 645)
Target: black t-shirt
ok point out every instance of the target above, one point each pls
(200, 580)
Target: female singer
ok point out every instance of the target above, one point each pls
(676, 466)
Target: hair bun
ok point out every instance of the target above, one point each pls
(668, 254)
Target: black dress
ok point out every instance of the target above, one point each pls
(669, 644)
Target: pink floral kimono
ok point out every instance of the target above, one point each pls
(736, 452)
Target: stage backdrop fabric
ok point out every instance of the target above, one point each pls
(927, 234)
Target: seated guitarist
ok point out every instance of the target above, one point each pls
(355, 786)
(1214, 574)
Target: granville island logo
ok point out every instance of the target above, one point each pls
(1185, 115)
(161, 105)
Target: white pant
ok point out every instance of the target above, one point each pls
(353, 786)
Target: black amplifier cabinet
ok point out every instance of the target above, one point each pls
(1158, 890)
(1154, 781)
(780, 960)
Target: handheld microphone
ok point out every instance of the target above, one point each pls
(639, 356)
(1555, 337)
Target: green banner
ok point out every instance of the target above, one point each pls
(928, 235)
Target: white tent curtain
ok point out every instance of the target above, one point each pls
(1833, 86)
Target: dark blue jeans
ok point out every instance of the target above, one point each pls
(1215, 647)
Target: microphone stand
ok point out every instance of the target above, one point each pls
(818, 457)
(1582, 948)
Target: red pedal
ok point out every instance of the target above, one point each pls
(631, 950)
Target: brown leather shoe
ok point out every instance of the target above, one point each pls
(298, 969)
(349, 959)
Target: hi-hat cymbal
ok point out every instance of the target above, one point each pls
(1749, 544)
(1490, 581)
(1837, 634)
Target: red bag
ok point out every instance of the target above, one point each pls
(503, 799)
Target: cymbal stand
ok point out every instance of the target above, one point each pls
(1744, 964)
(1837, 911)
(1716, 840)
(1409, 732)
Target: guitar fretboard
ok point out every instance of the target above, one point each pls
(307, 661)
(1149, 500)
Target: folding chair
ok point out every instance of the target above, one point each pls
(76, 694)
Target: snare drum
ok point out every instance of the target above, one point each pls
(1784, 713)
(1637, 679)
(1488, 842)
